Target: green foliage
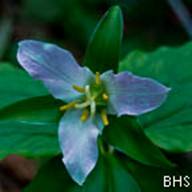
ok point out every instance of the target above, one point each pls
(169, 127)
(29, 128)
(108, 175)
(29, 140)
(16, 85)
(44, 109)
(28, 120)
(126, 135)
(104, 47)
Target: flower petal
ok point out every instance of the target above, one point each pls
(133, 95)
(55, 66)
(78, 142)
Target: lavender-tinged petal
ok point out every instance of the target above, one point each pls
(55, 66)
(133, 95)
(78, 142)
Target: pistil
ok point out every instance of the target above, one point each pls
(82, 105)
(88, 92)
(93, 108)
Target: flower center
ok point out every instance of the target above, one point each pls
(94, 99)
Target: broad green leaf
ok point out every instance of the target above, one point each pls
(16, 85)
(108, 176)
(170, 126)
(103, 50)
(29, 128)
(29, 140)
(127, 136)
(119, 179)
(44, 109)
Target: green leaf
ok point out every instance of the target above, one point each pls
(29, 140)
(103, 51)
(170, 126)
(44, 109)
(16, 85)
(127, 136)
(108, 175)
(29, 128)
(28, 124)
(119, 179)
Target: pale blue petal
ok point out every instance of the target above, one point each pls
(133, 95)
(78, 142)
(55, 66)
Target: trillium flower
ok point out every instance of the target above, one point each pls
(88, 98)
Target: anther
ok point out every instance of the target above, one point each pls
(87, 92)
(84, 115)
(68, 106)
(104, 117)
(105, 97)
(79, 89)
(97, 78)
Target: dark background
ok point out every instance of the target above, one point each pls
(69, 23)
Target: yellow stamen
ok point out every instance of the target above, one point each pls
(104, 118)
(105, 97)
(68, 106)
(84, 115)
(97, 78)
(78, 88)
